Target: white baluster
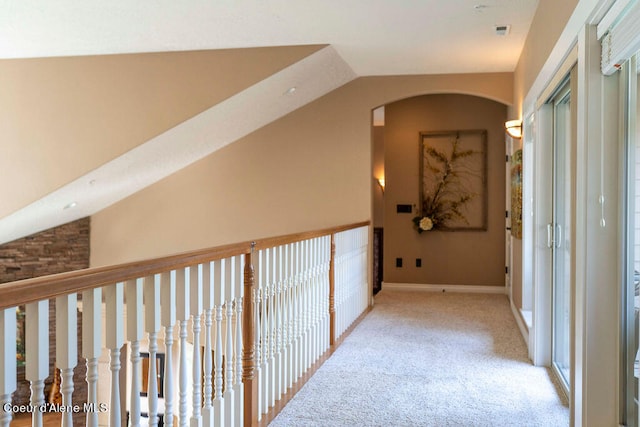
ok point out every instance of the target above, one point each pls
(357, 277)
(313, 304)
(354, 276)
(361, 273)
(322, 301)
(152, 327)
(300, 308)
(327, 325)
(182, 316)
(361, 277)
(296, 310)
(311, 308)
(264, 335)
(350, 283)
(208, 301)
(270, 329)
(133, 295)
(338, 284)
(67, 349)
(326, 291)
(168, 320)
(305, 306)
(228, 354)
(290, 319)
(315, 300)
(292, 311)
(257, 342)
(92, 348)
(37, 354)
(277, 281)
(344, 290)
(195, 297)
(318, 300)
(218, 300)
(364, 265)
(257, 327)
(8, 364)
(345, 293)
(291, 295)
(325, 296)
(338, 290)
(284, 278)
(319, 303)
(238, 387)
(114, 334)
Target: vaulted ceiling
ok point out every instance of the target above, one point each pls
(98, 98)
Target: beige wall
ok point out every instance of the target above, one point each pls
(464, 258)
(310, 169)
(547, 25)
(63, 117)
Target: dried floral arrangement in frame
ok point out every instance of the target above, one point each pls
(453, 183)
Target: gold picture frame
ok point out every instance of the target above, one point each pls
(453, 181)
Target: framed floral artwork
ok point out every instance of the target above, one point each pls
(453, 183)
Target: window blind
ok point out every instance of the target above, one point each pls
(622, 40)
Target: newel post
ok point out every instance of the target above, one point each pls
(248, 348)
(332, 292)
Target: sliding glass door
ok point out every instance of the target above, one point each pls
(559, 235)
(631, 275)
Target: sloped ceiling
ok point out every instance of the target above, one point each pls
(103, 98)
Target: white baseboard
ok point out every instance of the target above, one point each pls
(524, 329)
(445, 288)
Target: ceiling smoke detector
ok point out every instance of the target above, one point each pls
(502, 30)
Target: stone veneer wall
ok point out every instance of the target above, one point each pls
(57, 250)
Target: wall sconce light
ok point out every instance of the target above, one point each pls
(381, 183)
(514, 128)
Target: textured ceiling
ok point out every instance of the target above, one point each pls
(375, 37)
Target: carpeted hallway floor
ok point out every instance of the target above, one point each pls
(430, 359)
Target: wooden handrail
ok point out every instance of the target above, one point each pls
(46, 287)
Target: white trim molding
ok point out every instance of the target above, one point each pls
(478, 289)
(522, 324)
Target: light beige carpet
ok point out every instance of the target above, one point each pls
(430, 359)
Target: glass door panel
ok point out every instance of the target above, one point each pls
(560, 232)
(631, 283)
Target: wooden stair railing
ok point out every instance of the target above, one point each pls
(249, 318)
